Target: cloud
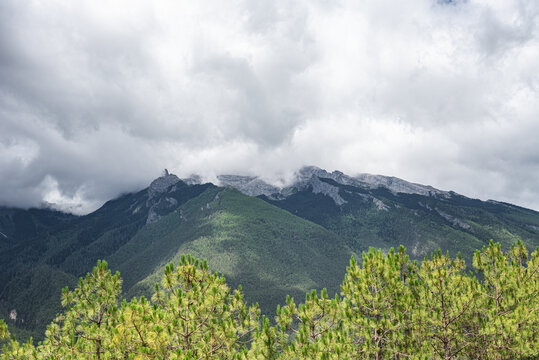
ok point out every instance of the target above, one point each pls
(96, 99)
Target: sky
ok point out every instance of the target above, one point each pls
(97, 98)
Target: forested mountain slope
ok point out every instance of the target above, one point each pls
(268, 250)
(273, 241)
(385, 212)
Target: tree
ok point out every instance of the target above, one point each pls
(4, 333)
(389, 308)
(509, 319)
(316, 326)
(200, 315)
(138, 334)
(12, 349)
(446, 301)
(92, 312)
(265, 343)
(378, 305)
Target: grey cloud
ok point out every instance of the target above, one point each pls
(66, 68)
(498, 33)
(95, 100)
(262, 111)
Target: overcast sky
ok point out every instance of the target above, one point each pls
(97, 98)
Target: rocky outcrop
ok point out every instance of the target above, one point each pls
(453, 220)
(157, 202)
(249, 185)
(308, 172)
(397, 185)
(321, 187)
(313, 177)
(162, 184)
(379, 204)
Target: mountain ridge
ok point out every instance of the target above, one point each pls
(274, 240)
(308, 175)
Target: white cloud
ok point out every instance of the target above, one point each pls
(95, 99)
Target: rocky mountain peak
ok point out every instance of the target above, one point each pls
(310, 177)
(249, 185)
(162, 183)
(397, 185)
(308, 172)
(158, 187)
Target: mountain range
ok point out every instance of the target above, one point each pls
(272, 240)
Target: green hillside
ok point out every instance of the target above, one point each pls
(383, 219)
(268, 251)
(299, 240)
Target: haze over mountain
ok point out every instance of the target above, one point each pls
(273, 240)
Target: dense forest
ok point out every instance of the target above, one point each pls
(389, 308)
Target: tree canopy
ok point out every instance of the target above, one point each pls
(389, 308)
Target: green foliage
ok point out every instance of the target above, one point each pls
(265, 343)
(15, 350)
(194, 315)
(389, 307)
(202, 318)
(446, 298)
(509, 302)
(316, 327)
(91, 314)
(379, 304)
(4, 333)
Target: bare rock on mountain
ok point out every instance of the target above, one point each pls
(161, 184)
(157, 187)
(397, 185)
(316, 179)
(249, 185)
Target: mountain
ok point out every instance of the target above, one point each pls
(272, 240)
(384, 212)
(269, 251)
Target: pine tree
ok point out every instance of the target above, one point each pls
(12, 349)
(446, 301)
(378, 305)
(389, 308)
(85, 329)
(316, 328)
(509, 306)
(138, 334)
(4, 333)
(201, 316)
(265, 343)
